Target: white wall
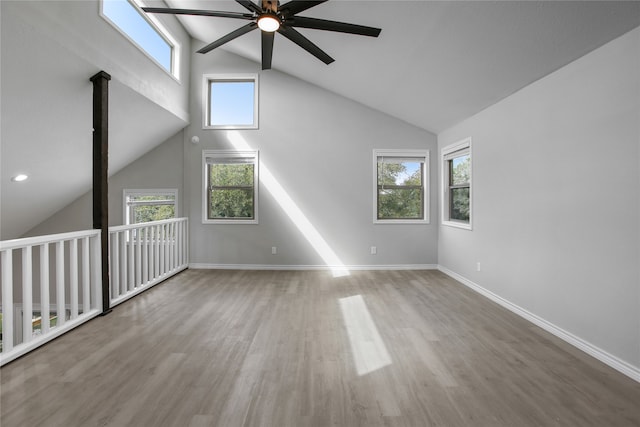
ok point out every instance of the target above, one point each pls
(556, 200)
(319, 146)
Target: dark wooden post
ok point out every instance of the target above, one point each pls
(100, 175)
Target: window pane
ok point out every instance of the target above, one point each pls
(460, 170)
(231, 103)
(231, 175)
(399, 203)
(148, 213)
(460, 204)
(399, 173)
(236, 203)
(129, 20)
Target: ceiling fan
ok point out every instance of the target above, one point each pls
(270, 17)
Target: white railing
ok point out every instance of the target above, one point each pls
(142, 255)
(50, 284)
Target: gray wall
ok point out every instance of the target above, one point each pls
(159, 168)
(556, 200)
(319, 146)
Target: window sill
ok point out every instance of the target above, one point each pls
(230, 221)
(454, 224)
(400, 221)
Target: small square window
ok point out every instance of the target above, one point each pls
(230, 102)
(401, 193)
(456, 184)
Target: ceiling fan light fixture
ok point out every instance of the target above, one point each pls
(268, 22)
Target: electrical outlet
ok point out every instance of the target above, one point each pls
(274, 250)
(374, 250)
(478, 266)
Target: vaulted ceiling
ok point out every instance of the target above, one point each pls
(434, 64)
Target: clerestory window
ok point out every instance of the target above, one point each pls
(143, 30)
(230, 101)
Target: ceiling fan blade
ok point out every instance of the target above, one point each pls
(323, 24)
(305, 43)
(236, 15)
(267, 49)
(297, 6)
(251, 6)
(232, 35)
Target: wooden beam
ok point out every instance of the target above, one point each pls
(100, 175)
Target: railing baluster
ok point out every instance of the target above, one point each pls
(86, 280)
(115, 266)
(123, 263)
(131, 252)
(27, 294)
(7, 300)
(73, 276)
(96, 269)
(172, 247)
(60, 300)
(163, 242)
(156, 252)
(45, 312)
(138, 258)
(145, 256)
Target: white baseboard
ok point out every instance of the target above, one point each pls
(208, 266)
(626, 368)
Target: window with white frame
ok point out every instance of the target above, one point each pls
(230, 187)
(230, 101)
(456, 188)
(144, 30)
(150, 205)
(401, 192)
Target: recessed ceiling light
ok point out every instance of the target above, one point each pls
(19, 178)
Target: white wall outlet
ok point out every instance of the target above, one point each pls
(374, 250)
(274, 250)
(478, 266)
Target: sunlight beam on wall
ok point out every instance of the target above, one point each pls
(368, 349)
(293, 211)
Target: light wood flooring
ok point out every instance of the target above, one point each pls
(273, 348)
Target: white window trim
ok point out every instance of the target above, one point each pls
(425, 179)
(147, 192)
(174, 72)
(464, 144)
(206, 78)
(255, 154)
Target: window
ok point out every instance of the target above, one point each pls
(143, 29)
(230, 187)
(230, 102)
(149, 205)
(400, 190)
(456, 189)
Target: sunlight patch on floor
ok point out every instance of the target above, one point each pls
(368, 348)
(293, 211)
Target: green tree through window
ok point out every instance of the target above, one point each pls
(231, 186)
(231, 191)
(400, 188)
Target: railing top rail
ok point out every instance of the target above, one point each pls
(144, 224)
(50, 238)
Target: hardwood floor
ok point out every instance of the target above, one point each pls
(284, 348)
